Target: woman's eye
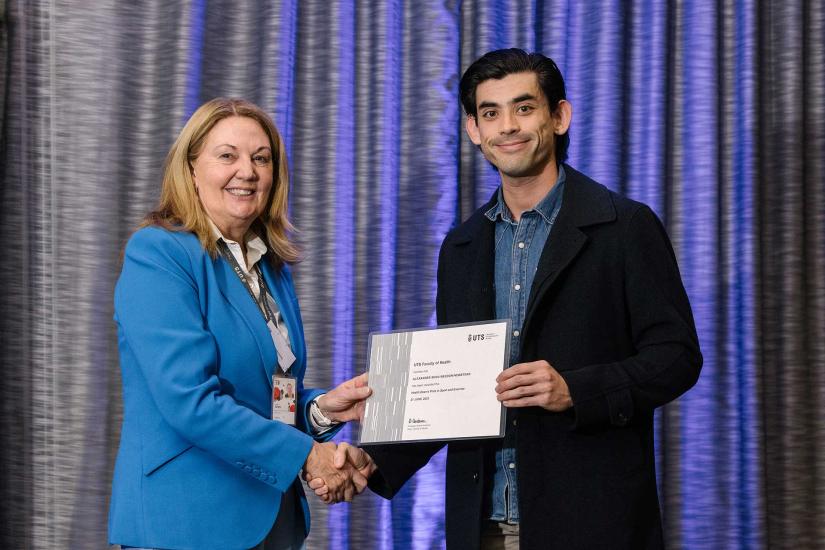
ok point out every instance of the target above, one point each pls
(261, 159)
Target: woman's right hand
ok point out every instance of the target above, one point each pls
(341, 482)
(346, 457)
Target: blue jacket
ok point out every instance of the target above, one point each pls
(200, 464)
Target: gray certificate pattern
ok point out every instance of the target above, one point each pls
(388, 377)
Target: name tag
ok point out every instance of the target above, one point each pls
(284, 398)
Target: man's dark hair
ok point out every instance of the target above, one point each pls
(500, 63)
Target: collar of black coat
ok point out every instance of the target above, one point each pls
(585, 202)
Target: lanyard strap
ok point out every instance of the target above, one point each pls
(282, 348)
(260, 301)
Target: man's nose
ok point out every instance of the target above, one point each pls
(509, 123)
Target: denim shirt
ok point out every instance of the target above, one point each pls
(517, 249)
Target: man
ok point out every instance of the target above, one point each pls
(602, 335)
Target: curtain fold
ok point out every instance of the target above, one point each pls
(790, 274)
(713, 113)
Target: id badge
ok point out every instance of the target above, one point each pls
(284, 398)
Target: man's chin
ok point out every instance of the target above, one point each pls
(518, 171)
(526, 168)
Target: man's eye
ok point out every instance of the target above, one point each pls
(488, 114)
(525, 109)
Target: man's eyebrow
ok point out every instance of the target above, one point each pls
(523, 97)
(485, 104)
(519, 99)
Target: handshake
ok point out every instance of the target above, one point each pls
(337, 473)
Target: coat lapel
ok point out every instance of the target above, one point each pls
(585, 203)
(481, 291)
(563, 245)
(236, 294)
(477, 235)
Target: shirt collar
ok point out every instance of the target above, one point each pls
(545, 206)
(255, 245)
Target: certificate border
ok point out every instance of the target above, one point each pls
(505, 364)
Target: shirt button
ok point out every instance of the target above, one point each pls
(521, 245)
(517, 287)
(516, 333)
(515, 422)
(512, 465)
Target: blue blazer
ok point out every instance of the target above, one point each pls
(201, 464)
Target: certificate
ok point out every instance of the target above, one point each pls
(436, 383)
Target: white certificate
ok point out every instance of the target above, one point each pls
(436, 383)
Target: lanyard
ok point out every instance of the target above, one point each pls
(284, 351)
(261, 300)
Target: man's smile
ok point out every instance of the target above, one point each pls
(511, 145)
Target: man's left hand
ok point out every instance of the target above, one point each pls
(535, 384)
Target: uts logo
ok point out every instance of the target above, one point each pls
(475, 337)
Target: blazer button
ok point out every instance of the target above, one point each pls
(475, 477)
(621, 419)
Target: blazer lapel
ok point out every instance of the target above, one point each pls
(238, 297)
(481, 290)
(585, 203)
(563, 245)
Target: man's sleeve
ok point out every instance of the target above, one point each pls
(397, 464)
(667, 360)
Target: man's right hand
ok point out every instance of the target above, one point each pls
(347, 457)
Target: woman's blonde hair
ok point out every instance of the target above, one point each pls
(180, 208)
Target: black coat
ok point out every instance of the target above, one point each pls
(608, 310)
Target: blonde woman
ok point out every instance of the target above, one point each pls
(208, 322)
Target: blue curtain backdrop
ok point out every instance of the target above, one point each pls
(711, 112)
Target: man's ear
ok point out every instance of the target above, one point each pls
(562, 117)
(472, 129)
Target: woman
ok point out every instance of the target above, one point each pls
(207, 315)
